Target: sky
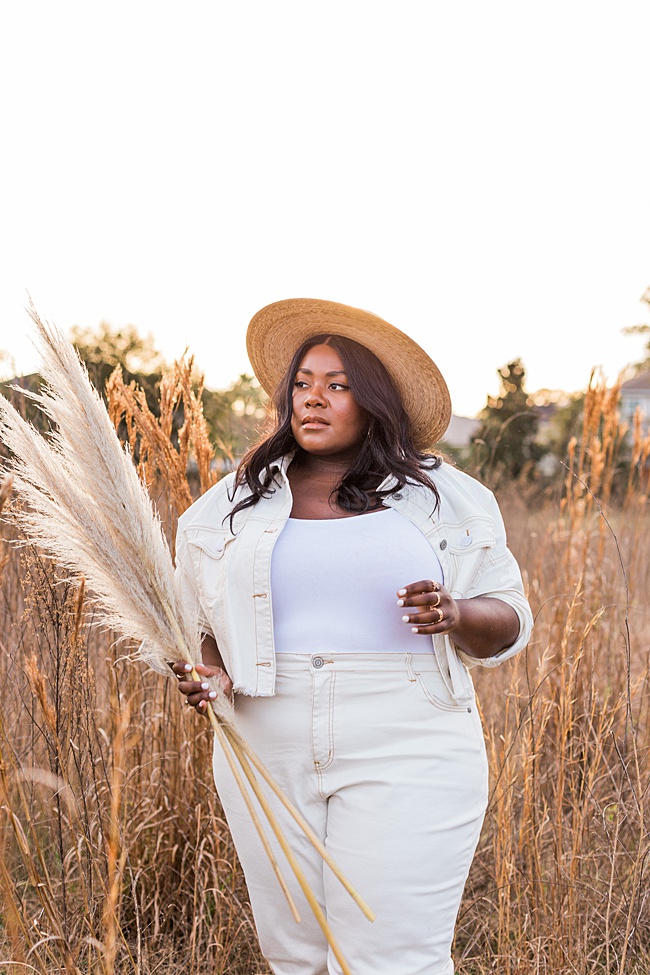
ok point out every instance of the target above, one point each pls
(475, 173)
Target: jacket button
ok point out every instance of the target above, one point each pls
(318, 662)
(398, 497)
(443, 544)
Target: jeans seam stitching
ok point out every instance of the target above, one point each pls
(330, 725)
(436, 702)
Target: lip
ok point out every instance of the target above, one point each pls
(314, 422)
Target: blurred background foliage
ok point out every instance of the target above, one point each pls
(517, 436)
(235, 416)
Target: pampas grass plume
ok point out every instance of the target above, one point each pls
(86, 506)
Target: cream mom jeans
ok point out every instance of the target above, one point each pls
(392, 775)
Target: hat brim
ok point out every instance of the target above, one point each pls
(277, 330)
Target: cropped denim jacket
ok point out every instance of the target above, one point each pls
(227, 571)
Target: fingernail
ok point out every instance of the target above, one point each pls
(212, 695)
(400, 602)
(205, 686)
(406, 619)
(401, 592)
(201, 704)
(414, 629)
(187, 668)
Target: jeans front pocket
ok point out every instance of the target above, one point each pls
(435, 690)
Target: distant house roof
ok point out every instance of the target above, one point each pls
(545, 412)
(642, 381)
(461, 431)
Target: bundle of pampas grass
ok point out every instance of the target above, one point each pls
(79, 497)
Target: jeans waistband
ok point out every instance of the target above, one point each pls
(357, 662)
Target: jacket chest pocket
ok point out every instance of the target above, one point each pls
(209, 549)
(468, 545)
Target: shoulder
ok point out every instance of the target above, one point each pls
(461, 495)
(215, 504)
(448, 479)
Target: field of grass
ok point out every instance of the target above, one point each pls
(114, 856)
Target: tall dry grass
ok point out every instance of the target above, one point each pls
(560, 883)
(114, 857)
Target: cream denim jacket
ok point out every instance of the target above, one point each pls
(228, 573)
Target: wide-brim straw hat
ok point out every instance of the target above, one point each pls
(279, 329)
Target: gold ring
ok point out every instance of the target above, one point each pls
(435, 587)
(441, 616)
(437, 602)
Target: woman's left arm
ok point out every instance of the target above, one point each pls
(482, 626)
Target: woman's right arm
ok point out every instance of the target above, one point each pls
(198, 693)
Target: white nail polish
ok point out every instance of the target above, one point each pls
(212, 695)
(205, 686)
(400, 602)
(406, 619)
(187, 668)
(414, 629)
(401, 592)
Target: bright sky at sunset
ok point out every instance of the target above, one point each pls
(476, 173)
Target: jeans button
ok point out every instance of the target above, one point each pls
(318, 662)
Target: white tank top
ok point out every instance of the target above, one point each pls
(334, 584)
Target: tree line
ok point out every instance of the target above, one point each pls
(518, 437)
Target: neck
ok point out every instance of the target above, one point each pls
(332, 468)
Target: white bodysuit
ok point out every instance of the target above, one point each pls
(334, 584)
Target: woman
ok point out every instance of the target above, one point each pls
(346, 580)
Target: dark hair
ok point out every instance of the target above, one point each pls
(387, 449)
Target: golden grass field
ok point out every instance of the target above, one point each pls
(114, 856)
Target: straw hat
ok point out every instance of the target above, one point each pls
(279, 329)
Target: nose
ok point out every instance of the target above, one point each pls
(316, 396)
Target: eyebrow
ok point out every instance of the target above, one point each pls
(334, 372)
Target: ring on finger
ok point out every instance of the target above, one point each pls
(435, 587)
(441, 616)
(437, 602)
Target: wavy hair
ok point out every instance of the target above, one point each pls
(387, 448)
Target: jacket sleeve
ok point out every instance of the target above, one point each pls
(501, 579)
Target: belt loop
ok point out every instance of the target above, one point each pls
(409, 669)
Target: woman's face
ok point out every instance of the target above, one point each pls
(327, 420)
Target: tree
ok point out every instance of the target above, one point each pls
(643, 365)
(509, 427)
(236, 415)
(565, 425)
(105, 347)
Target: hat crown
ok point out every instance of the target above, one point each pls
(279, 329)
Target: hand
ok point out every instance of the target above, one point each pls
(436, 611)
(198, 693)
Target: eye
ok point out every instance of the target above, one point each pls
(299, 384)
(338, 386)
